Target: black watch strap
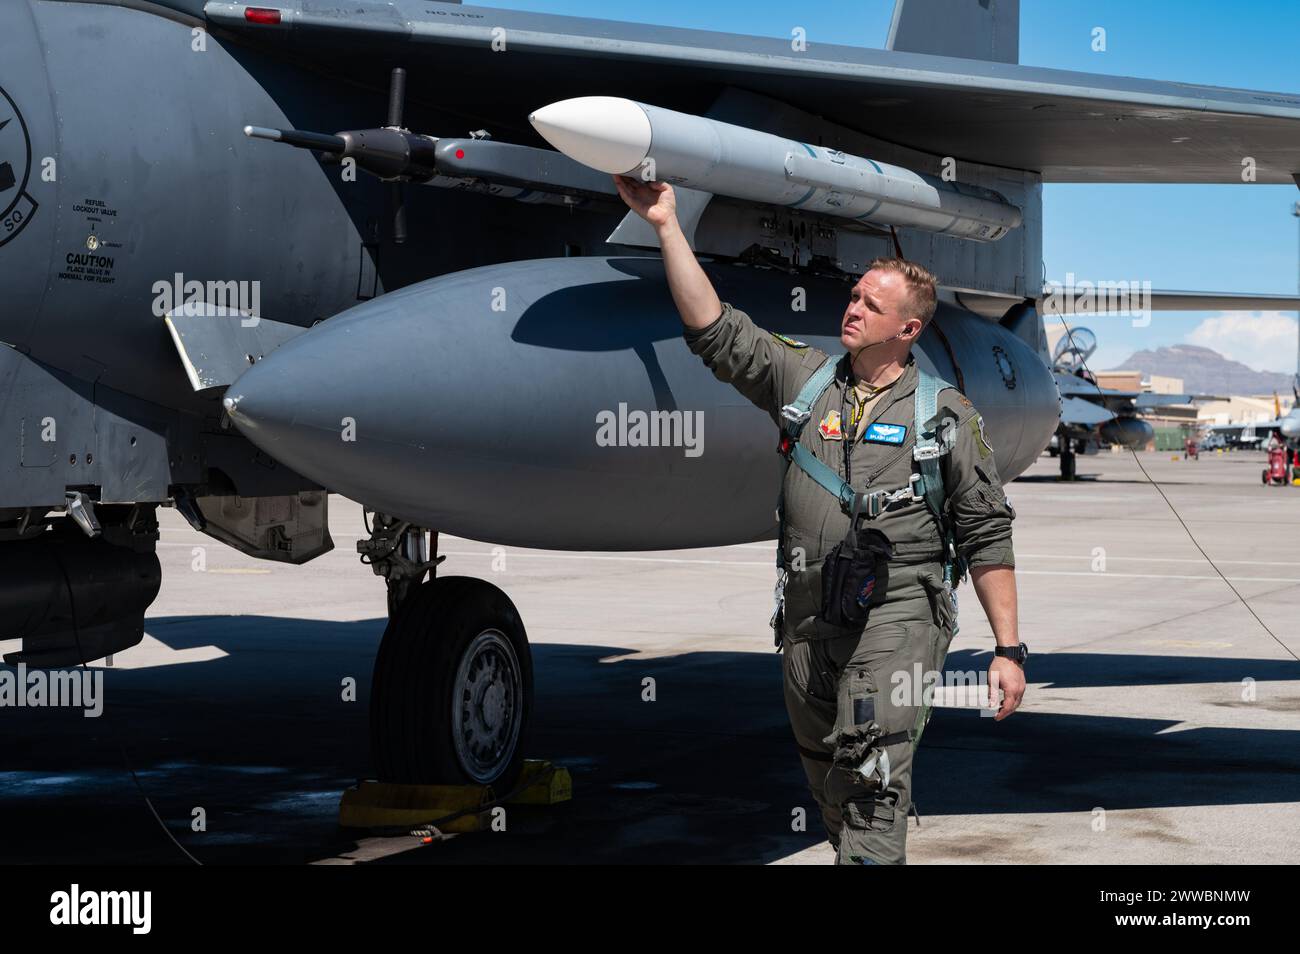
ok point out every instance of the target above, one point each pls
(1018, 653)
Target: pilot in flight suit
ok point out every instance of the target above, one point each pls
(838, 681)
(852, 690)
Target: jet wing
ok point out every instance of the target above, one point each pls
(1069, 127)
(1222, 301)
(1149, 400)
(1076, 389)
(1083, 413)
(1260, 427)
(1131, 298)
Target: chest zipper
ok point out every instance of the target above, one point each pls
(889, 463)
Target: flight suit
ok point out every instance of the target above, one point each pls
(845, 687)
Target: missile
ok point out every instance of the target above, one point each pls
(624, 137)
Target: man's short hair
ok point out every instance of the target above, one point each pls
(920, 283)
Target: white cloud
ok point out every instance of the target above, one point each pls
(1263, 340)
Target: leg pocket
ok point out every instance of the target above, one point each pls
(869, 814)
(863, 711)
(856, 729)
(886, 682)
(879, 711)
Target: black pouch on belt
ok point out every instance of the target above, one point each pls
(855, 576)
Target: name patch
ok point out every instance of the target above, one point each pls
(885, 434)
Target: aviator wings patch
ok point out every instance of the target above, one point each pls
(885, 434)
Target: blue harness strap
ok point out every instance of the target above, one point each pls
(934, 439)
(795, 415)
(828, 479)
(797, 412)
(926, 450)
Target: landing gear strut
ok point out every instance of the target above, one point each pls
(453, 682)
(1067, 459)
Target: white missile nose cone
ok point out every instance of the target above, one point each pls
(605, 132)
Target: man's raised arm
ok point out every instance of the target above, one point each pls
(693, 293)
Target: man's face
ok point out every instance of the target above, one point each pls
(875, 311)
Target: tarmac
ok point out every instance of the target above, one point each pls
(1160, 725)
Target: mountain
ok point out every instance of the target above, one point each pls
(1205, 371)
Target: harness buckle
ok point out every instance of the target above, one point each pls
(873, 503)
(929, 452)
(796, 415)
(778, 607)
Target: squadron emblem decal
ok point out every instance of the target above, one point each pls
(830, 427)
(788, 341)
(15, 166)
(981, 442)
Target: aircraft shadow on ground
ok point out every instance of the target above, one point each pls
(264, 742)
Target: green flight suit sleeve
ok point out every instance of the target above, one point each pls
(754, 361)
(977, 505)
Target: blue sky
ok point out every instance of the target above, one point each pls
(1211, 238)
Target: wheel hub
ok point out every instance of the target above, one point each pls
(487, 706)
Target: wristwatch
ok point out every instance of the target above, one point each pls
(1018, 653)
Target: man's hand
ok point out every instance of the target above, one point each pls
(1009, 676)
(692, 291)
(996, 588)
(653, 201)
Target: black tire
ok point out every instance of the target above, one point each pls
(413, 702)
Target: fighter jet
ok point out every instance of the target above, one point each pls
(1092, 416)
(1285, 427)
(256, 253)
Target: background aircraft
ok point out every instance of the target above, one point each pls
(435, 322)
(1254, 433)
(1093, 416)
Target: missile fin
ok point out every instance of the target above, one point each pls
(636, 231)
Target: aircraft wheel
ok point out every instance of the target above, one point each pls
(1067, 466)
(453, 688)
